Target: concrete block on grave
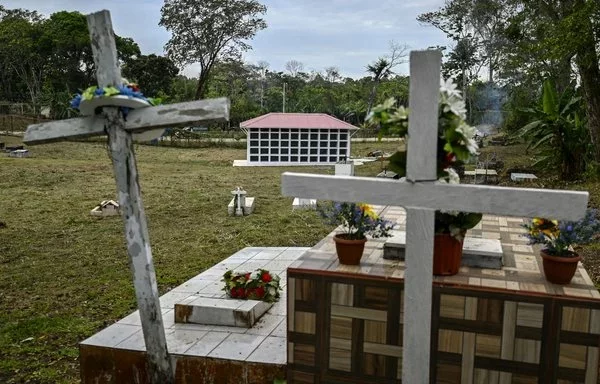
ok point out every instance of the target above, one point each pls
(248, 207)
(345, 168)
(106, 208)
(522, 176)
(19, 153)
(240, 205)
(227, 312)
(300, 203)
(477, 252)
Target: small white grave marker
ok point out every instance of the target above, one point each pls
(240, 205)
(106, 208)
(120, 141)
(421, 195)
(344, 168)
(522, 176)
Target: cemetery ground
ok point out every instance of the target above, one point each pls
(64, 274)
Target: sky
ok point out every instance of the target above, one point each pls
(347, 34)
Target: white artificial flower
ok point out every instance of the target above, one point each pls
(472, 146)
(467, 131)
(456, 232)
(449, 87)
(272, 291)
(255, 275)
(456, 105)
(451, 178)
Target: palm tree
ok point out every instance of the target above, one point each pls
(380, 70)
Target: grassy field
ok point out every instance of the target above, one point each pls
(64, 274)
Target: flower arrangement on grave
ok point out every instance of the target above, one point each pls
(258, 285)
(357, 220)
(558, 239)
(456, 146)
(126, 96)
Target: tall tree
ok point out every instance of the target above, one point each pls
(383, 68)
(209, 30)
(153, 73)
(294, 67)
(482, 22)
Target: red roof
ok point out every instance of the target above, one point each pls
(296, 120)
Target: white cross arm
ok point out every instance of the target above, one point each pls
(521, 202)
(139, 120)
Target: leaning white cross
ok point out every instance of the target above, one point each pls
(119, 132)
(421, 195)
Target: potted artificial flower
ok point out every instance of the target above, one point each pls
(358, 221)
(456, 146)
(559, 258)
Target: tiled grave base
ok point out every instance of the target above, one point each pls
(107, 365)
(488, 326)
(477, 252)
(208, 353)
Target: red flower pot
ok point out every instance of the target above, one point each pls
(559, 270)
(447, 254)
(349, 252)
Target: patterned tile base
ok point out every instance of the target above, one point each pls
(488, 326)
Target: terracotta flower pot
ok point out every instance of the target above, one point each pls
(447, 254)
(559, 270)
(349, 252)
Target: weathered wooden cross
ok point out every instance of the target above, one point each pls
(421, 195)
(119, 132)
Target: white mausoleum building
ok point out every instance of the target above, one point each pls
(297, 139)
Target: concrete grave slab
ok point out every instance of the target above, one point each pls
(299, 203)
(477, 252)
(19, 153)
(216, 311)
(522, 176)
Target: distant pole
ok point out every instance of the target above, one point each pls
(284, 86)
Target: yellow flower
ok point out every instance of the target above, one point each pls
(368, 210)
(545, 226)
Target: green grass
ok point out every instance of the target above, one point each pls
(64, 275)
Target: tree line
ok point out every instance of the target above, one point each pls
(545, 56)
(45, 61)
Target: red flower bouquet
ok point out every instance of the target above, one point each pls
(258, 285)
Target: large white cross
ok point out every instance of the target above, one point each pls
(421, 195)
(119, 132)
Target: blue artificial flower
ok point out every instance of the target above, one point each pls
(99, 92)
(76, 101)
(126, 91)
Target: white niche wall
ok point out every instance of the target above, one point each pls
(302, 146)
